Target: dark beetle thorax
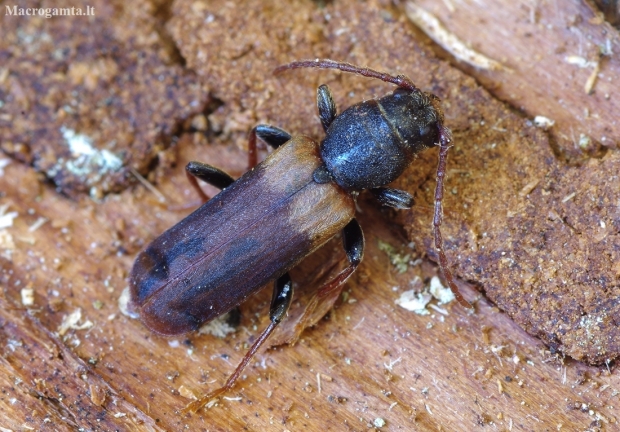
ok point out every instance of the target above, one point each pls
(371, 143)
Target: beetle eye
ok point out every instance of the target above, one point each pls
(424, 130)
(401, 92)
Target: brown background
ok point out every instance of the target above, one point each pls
(132, 77)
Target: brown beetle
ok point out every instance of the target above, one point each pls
(263, 224)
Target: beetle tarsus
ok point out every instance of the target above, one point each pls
(202, 401)
(280, 302)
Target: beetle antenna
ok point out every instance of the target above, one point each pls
(400, 80)
(445, 137)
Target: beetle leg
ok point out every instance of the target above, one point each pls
(393, 197)
(280, 302)
(444, 144)
(233, 317)
(326, 105)
(281, 298)
(353, 242)
(271, 135)
(209, 174)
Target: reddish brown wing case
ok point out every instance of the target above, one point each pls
(252, 232)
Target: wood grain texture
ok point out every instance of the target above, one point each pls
(370, 360)
(103, 78)
(538, 221)
(549, 50)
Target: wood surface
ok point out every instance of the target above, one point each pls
(548, 51)
(371, 359)
(369, 362)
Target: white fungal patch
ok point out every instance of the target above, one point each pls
(441, 293)
(415, 302)
(418, 302)
(578, 61)
(124, 304)
(217, 327)
(27, 296)
(6, 219)
(85, 158)
(7, 245)
(72, 321)
(543, 122)
(3, 164)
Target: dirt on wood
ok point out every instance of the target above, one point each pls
(532, 218)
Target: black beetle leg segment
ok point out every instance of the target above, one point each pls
(281, 299)
(271, 135)
(353, 241)
(280, 302)
(234, 317)
(209, 174)
(327, 106)
(393, 198)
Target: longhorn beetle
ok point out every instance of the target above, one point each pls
(263, 224)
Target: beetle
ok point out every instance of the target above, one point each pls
(303, 194)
